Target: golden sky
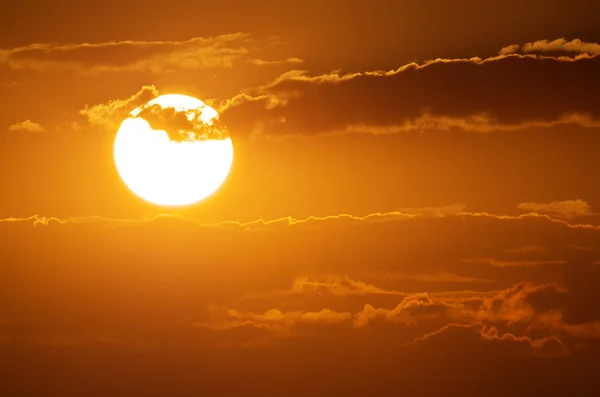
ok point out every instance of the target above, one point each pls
(412, 208)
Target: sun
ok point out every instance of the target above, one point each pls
(173, 150)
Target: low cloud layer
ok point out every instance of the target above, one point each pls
(369, 286)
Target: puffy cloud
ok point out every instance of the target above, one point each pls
(566, 209)
(27, 125)
(411, 309)
(273, 319)
(535, 310)
(559, 45)
(115, 111)
(523, 302)
(548, 307)
(183, 125)
(338, 286)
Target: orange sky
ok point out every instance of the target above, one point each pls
(412, 208)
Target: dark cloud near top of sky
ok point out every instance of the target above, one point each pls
(507, 90)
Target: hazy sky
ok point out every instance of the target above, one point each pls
(412, 208)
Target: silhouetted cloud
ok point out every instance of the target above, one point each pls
(471, 335)
(554, 46)
(514, 263)
(441, 94)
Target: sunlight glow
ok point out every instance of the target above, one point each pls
(172, 172)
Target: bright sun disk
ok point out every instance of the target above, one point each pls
(173, 150)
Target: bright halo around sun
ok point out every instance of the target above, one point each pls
(173, 150)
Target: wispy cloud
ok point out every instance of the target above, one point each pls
(567, 209)
(518, 263)
(129, 55)
(27, 126)
(257, 224)
(114, 111)
(262, 62)
(304, 103)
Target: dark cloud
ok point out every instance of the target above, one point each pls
(557, 46)
(506, 92)
(178, 125)
(479, 337)
(413, 309)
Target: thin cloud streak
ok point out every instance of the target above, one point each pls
(129, 55)
(406, 214)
